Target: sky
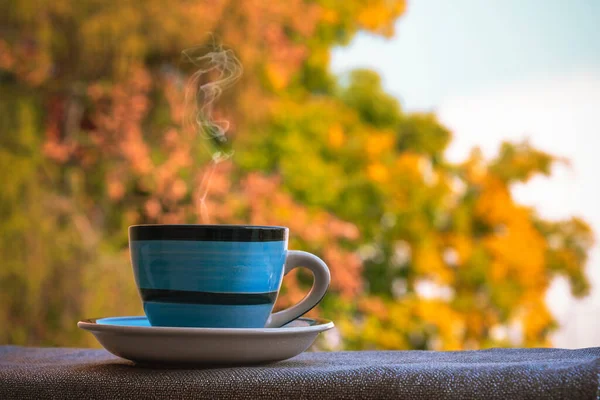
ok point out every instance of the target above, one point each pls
(500, 70)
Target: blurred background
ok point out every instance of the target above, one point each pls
(437, 155)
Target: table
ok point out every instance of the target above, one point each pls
(27, 372)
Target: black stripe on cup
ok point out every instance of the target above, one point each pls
(213, 233)
(193, 297)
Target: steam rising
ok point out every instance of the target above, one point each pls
(218, 69)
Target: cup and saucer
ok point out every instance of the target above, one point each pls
(208, 293)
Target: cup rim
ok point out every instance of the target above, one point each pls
(208, 232)
(236, 226)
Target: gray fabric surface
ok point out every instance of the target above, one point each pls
(491, 374)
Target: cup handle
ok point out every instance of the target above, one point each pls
(321, 279)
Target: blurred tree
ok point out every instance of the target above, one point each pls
(423, 253)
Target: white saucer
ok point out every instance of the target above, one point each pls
(134, 339)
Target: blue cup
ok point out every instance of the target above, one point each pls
(221, 276)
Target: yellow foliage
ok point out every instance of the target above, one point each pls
(442, 326)
(449, 324)
(428, 262)
(399, 313)
(475, 167)
(409, 165)
(536, 318)
(378, 12)
(379, 144)
(462, 245)
(518, 248)
(277, 76)
(329, 16)
(495, 203)
(378, 172)
(389, 339)
(336, 136)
